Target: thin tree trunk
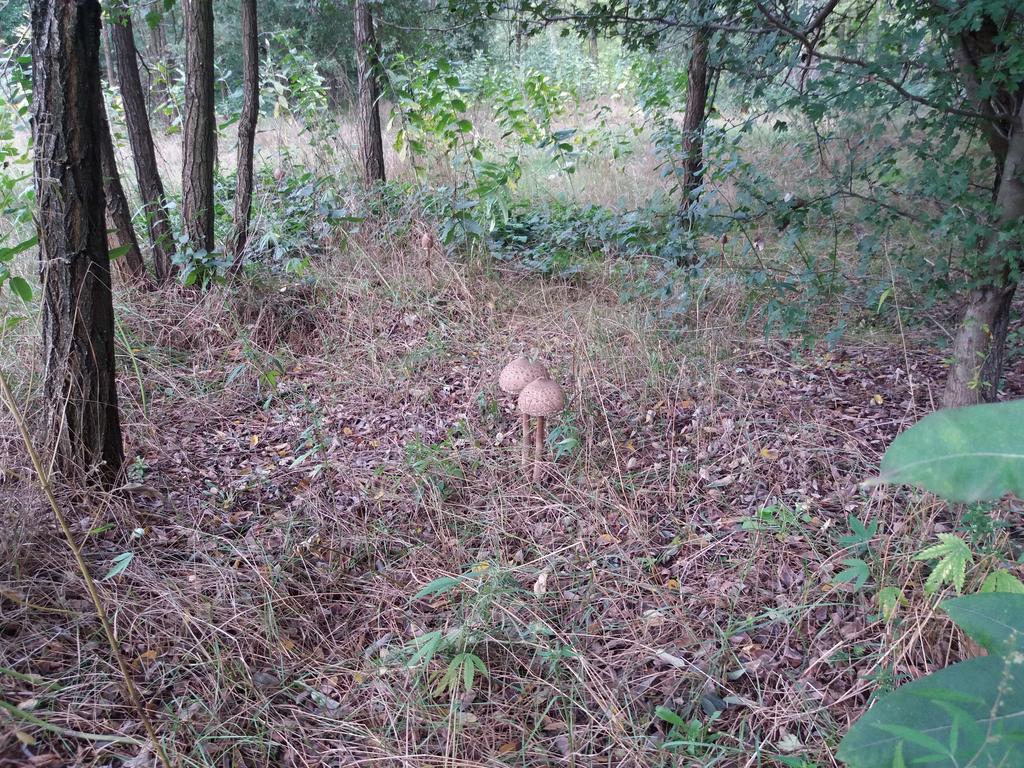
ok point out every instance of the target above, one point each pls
(158, 55)
(979, 347)
(119, 214)
(371, 145)
(592, 46)
(80, 394)
(694, 120)
(108, 55)
(246, 128)
(147, 172)
(199, 136)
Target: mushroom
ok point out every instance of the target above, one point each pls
(514, 377)
(543, 399)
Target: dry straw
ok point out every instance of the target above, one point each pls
(90, 585)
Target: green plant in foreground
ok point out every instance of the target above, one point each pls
(971, 713)
(691, 737)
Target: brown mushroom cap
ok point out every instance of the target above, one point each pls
(519, 373)
(542, 397)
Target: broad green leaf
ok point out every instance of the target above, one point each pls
(994, 620)
(121, 250)
(21, 288)
(971, 713)
(962, 454)
(914, 719)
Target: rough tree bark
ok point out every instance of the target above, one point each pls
(246, 129)
(83, 425)
(119, 214)
(151, 189)
(371, 145)
(694, 120)
(979, 346)
(592, 47)
(200, 147)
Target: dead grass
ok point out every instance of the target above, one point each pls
(269, 610)
(304, 457)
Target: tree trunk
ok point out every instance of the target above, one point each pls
(693, 121)
(246, 128)
(371, 145)
(979, 346)
(83, 426)
(108, 55)
(119, 214)
(158, 49)
(200, 147)
(151, 189)
(592, 46)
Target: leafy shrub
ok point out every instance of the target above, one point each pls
(971, 713)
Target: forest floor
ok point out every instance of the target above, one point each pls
(306, 458)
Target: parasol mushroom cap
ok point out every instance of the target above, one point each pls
(542, 398)
(520, 372)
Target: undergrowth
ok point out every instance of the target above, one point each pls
(334, 554)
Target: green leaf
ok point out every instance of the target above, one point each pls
(428, 644)
(859, 533)
(954, 556)
(21, 288)
(962, 454)
(120, 563)
(1002, 581)
(889, 599)
(121, 250)
(914, 719)
(856, 571)
(994, 620)
(437, 586)
(669, 716)
(6, 254)
(11, 322)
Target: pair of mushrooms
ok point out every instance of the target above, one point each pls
(539, 397)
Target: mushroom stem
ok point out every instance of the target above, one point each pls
(526, 440)
(538, 448)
